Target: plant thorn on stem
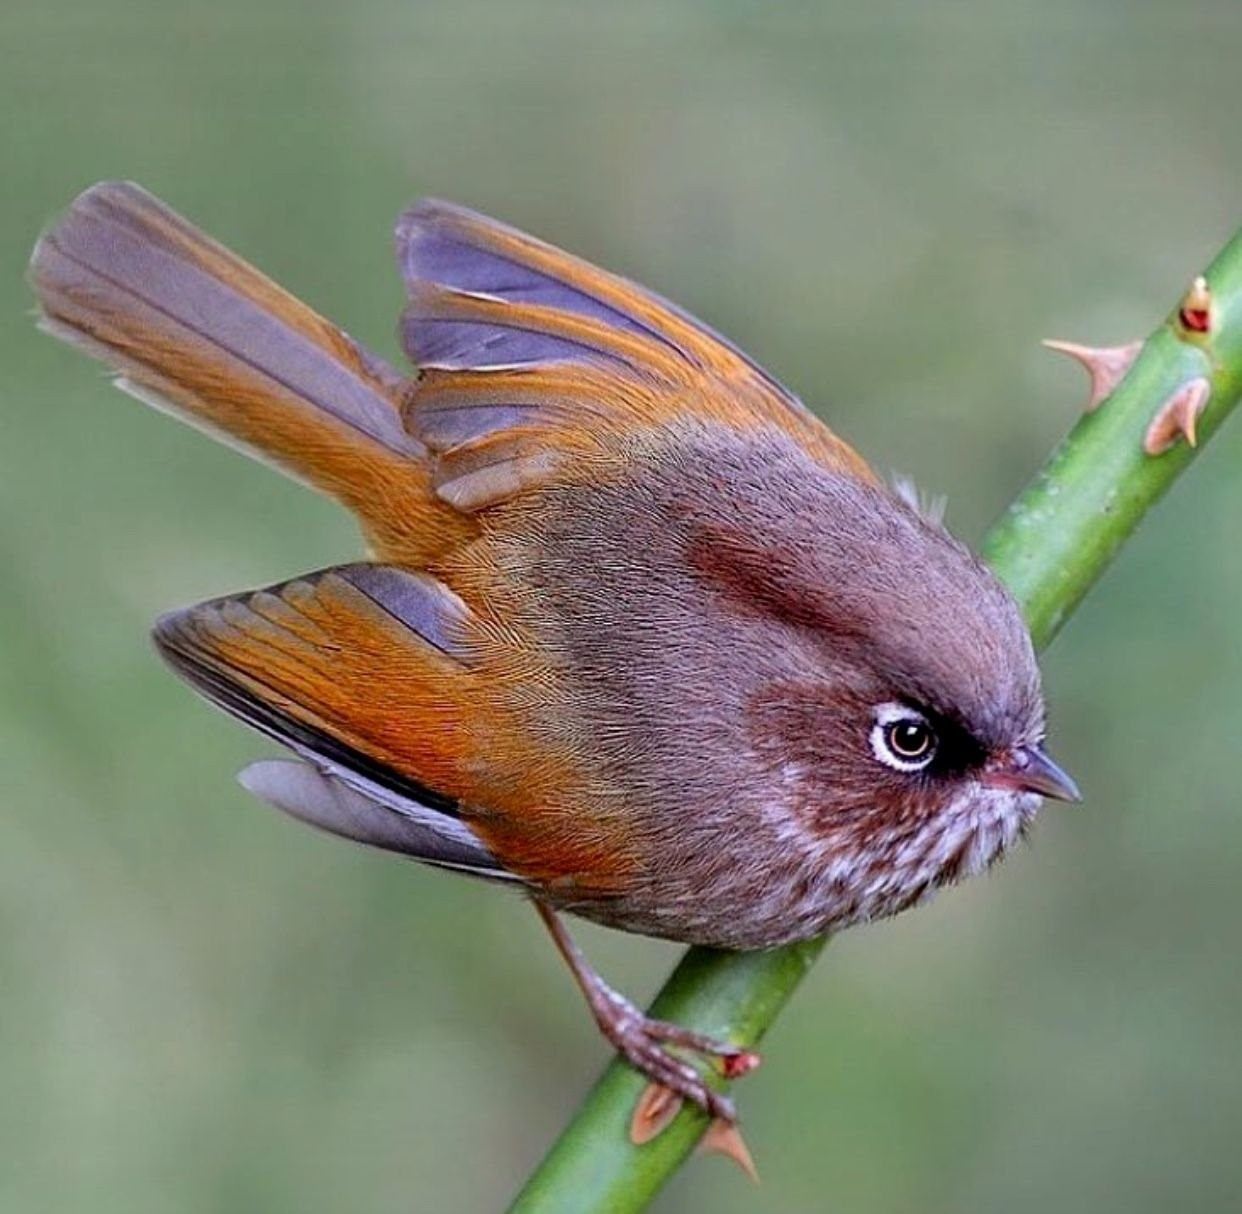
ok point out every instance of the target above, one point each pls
(1194, 313)
(724, 1138)
(655, 1110)
(1177, 417)
(734, 1066)
(1106, 365)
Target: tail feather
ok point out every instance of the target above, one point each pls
(193, 329)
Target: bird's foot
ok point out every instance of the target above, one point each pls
(657, 1049)
(654, 1047)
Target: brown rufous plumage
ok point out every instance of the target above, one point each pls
(641, 636)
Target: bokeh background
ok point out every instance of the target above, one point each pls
(204, 1007)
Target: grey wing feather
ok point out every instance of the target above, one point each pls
(348, 805)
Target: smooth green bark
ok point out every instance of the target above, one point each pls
(1049, 547)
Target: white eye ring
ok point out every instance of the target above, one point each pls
(883, 744)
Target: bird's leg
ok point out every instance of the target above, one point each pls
(641, 1041)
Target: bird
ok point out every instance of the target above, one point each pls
(637, 635)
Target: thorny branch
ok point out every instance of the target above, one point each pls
(1151, 404)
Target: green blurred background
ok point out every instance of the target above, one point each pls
(204, 1007)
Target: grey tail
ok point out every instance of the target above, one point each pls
(194, 330)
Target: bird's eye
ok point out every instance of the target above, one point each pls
(902, 738)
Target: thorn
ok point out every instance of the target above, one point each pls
(742, 1063)
(1106, 365)
(1195, 311)
(1178, 417)
(656, 1108)
(724, 1138)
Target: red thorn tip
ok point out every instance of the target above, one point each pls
(739, 1064)
(654, 1112)
(1106, 365)
(724, 1138)
(1178, 417)
(1195, 312)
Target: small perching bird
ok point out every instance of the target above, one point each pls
(641, 637)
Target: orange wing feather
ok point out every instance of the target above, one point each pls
(524, 346)
(389, 674)
(334, 661)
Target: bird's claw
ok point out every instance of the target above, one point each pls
(734, 1061)
(643, 1044)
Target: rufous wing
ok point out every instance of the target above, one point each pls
(530, 357)
(363, 670)
(376, 678)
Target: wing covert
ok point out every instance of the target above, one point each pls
(531, 358)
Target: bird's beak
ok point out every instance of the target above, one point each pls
(1028, 769)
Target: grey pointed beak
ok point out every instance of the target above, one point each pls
(1029, 769)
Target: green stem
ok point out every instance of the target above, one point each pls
(1049, 548)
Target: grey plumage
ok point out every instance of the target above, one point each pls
(343, 807)
(120, 266)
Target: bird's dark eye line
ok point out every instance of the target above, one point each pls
(923, 743)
